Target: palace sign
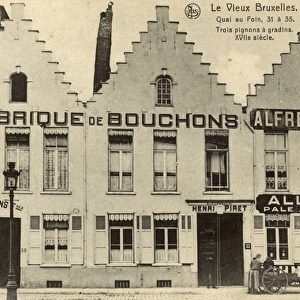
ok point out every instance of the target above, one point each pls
(278, 204)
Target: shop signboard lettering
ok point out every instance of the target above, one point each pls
(275, 119)
(278, 204)
(213, 207)
(116, 119)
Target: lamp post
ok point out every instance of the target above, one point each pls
(11, 178)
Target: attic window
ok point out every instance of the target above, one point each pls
(18, 87)
(164, 86)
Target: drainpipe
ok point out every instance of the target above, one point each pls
(85, 204)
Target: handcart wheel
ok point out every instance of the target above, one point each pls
(274, 280)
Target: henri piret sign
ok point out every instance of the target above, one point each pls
(276, 204)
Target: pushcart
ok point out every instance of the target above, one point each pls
(273, 280)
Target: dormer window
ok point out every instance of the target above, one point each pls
(18, 87)
(164, 90)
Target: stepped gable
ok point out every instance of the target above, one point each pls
(164, 47)
(280, 88)
(23, 44)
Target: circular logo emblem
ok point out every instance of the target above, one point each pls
(192, 11)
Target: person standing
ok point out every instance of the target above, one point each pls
(211, 272)
(255, 267)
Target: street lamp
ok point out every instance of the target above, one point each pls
(11, 178)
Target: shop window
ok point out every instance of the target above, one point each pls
(121, 237)
(165, 169)
(56, 229)
(120, 160)
(18, 84)
(17, 150)
(56, 170)
(276, 161)
(216, 149)
(164, 90)
(277, 243)
(166, 238)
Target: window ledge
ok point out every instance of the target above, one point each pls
(277, 192)
(166, 264)
(217, 193)
(55, 193)
(166, 193)
(19, 192)
(55, 265)
(120, 193)
(121, 264)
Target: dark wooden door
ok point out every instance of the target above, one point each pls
(220, 237)
(4, 250)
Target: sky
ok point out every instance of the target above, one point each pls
(69, 28)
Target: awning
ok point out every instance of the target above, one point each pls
(56, 217)
(165, 217)
(120, 216)
(56, 130)
(17, 130)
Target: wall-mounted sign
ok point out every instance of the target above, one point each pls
(220, 207)
(116, 119)
(280, 204)
(247, 245)
(275, 119)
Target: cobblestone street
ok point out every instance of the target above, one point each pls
(148, 294)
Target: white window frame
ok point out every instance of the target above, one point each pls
(164, 91)
(56, 151)
(209, 186)
(56, 244)
(123, 256)
(121, 152)
(17, 160)
(275, 152)
(277, 245)
(163, 169)
(167, 254)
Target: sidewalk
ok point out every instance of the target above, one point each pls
(230, 293)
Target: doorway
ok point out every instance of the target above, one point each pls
(220, 240)
(4, 250)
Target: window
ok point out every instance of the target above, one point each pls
(120, 160)
(121, 237)
(276, 161)
(166, 238)
(18, 83)
(17, 150)
(216, 148)
(56, 159)
(56, 229)
(164, 90)
(165, 168)
(277, 243)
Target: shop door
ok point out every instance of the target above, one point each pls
(220, 248)
(4, 250)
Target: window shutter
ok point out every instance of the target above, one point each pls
(258, 237)
(258, 222)
(186, 240)
(34, 253)
(101, 241)
(76, 241)
(147, 252)
(296, 238)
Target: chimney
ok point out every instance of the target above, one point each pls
(298, 33)
(162, 14)
(17, 11)
(103, 49)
